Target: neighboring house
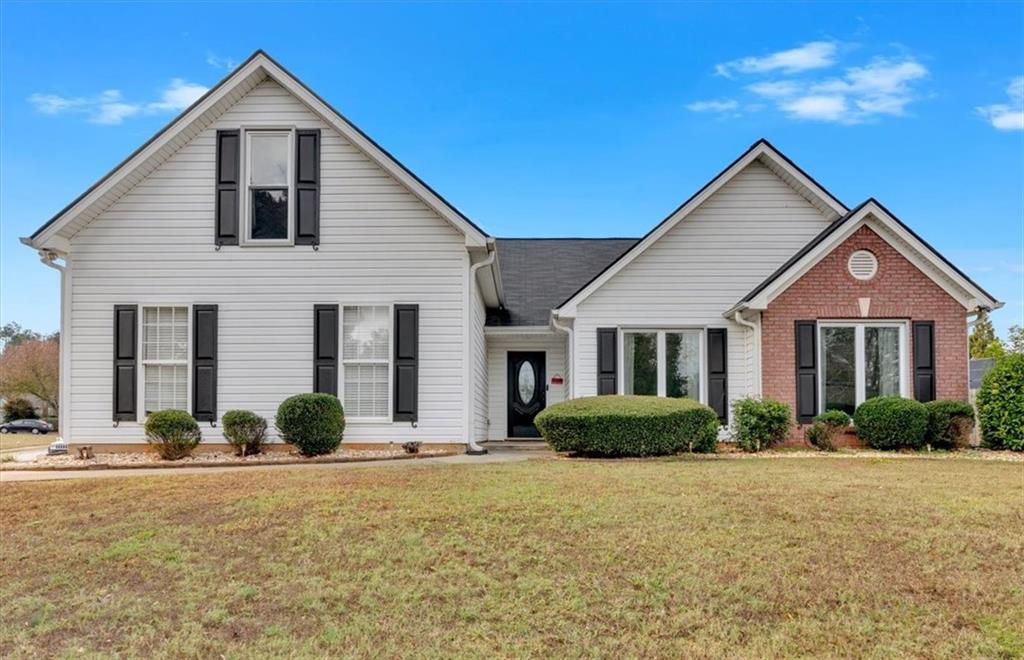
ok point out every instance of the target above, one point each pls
(261, 246)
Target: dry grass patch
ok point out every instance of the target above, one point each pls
(848, 557)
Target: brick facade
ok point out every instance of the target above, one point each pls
(899, 290)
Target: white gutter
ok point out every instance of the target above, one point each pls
(47, 257)
(756, 328)
(472, 448)
(571, 352)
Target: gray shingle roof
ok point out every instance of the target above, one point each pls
(537, 274)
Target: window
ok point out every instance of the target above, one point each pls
(366, 358)
(165, 358)
(663, 363)
(861, 361)
(268, 175)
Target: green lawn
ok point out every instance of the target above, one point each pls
(738, 558)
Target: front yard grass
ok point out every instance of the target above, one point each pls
(739, 558)
(12, 442)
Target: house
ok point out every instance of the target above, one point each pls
(261, 245)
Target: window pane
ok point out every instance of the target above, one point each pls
(366, 353)
(881, 361)
(366, 390)
(840, 369)
(165, 333)
(640, 357)
(270, 214)
(268, 160)
(166, 387)
(682, 364)
(366, 333)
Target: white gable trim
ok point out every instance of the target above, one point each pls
(897, 235)
(162, 145)
(760, 150)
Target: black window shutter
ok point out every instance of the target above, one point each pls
(924, 361)
(718, 373)
(125, 362)
(307, 187)
(806, 370)
(325, 349)
(204, 363)
(229, 154)
(607, 361)
(407, 353)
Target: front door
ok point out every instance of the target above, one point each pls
(527, 392)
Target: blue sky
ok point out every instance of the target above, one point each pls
(553, 119)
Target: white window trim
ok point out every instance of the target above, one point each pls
(140, 376)
(388, 419)
(662, 366)
(860, 384)
(245, 210)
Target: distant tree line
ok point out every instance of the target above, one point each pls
(985, 343)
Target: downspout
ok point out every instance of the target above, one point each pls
(571, 352)
(472, 448)
(47, 257)
(756, 328)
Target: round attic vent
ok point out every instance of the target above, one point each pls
(863, 265)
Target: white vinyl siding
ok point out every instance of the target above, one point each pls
(553, 345)
(480, 374)
(699, 269)
(379, 245)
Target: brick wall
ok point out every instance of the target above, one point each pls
(898, 291)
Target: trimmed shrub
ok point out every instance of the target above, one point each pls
(760, 423)
(245, 430)
(174, 433)
(1001, 404)
(825, 427)
(950, 424)
(891, 422)
(18, 408)
(313, 423)
(626, 425)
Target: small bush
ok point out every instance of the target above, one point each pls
(825, 427)
(245, 430)
(619, 425)
(760, 423)
(18, 408)
(174, 433)
(313, 423)
(949, 424)
(1001, 404)
(891, 422)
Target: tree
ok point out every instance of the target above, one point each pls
(983, 342)
(1016, 339)
(13, 334)
(18, 408)
(31, 367)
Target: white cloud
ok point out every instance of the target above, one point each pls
(221, 62)
(713, 106)
(776, 88)
(1007, 117)
(109, 107)
(813, 55)
(816, 107)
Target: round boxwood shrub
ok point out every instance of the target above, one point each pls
(1001, 404)
(173, 433)
(825, 428)
(760, 423)
(312, 422)
(949, 423)
(891, 422)
(625, 425)
(245, 430)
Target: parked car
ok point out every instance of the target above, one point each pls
(33, 426)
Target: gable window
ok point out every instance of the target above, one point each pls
(165, 358)
(366, 359)
(861, 361)
(268, 167)
(663, 363)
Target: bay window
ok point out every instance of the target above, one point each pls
(860, 361)
(663, 363)
(366, 360)
(165, 358)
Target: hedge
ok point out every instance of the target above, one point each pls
(245, 431)
(825, 427)
(760, 423)
(1001, 404)
(891, 422)
(312, 422)
(173, 433)
(950, 423)
(626, 425)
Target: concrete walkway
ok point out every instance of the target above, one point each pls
(496, 454)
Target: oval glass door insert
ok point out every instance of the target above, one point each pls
(527, 382)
